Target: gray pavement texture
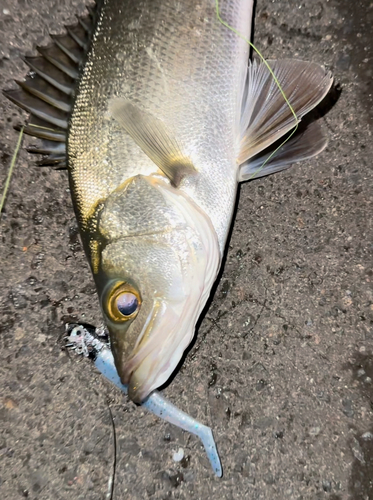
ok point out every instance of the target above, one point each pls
(282, 367)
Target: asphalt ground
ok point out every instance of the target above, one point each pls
(282, 367)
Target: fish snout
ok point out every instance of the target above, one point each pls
(157, 352)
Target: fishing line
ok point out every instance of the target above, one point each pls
(236, 32)
(39, 126)
(12, 163)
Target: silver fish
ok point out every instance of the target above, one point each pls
(168, 116)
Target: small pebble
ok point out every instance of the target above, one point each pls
(367, 436)
(314, 431)
(347, 408)
(178, 455)
(327, 486)
(268, 478)
(278, 434)
(357, 450)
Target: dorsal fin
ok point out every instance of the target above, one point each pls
(47, 92)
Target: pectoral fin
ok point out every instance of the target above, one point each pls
(265, 114)
(303, 145)
(152, 136)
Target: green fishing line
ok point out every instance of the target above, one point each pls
(43, 128)
(12, 164)
(274, 78)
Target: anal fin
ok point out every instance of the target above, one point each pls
(266, 116)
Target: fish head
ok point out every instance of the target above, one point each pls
(153, 283)
(143, 302)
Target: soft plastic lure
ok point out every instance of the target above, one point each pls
(87, 344)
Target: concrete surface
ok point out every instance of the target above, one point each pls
(282, 367)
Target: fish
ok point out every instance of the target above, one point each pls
(158, 113)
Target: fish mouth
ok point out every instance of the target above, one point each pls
(159, 348)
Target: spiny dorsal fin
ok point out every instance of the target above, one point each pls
(47, 94)
(38, 87)
(38, 107)
(42, 129)
(52, 75)
(69, 47)
(79, 34)
(152, 136)
(265, 114)
(306, 143)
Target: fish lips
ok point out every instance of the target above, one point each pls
(157, 351)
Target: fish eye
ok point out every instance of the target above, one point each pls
(127, 303)
(123, 302)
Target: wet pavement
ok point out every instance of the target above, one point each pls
(282, 366)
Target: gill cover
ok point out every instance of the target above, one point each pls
(158, 262)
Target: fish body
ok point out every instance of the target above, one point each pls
(157, 123)
(176, 62)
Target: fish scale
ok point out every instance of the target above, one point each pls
(192, 83)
